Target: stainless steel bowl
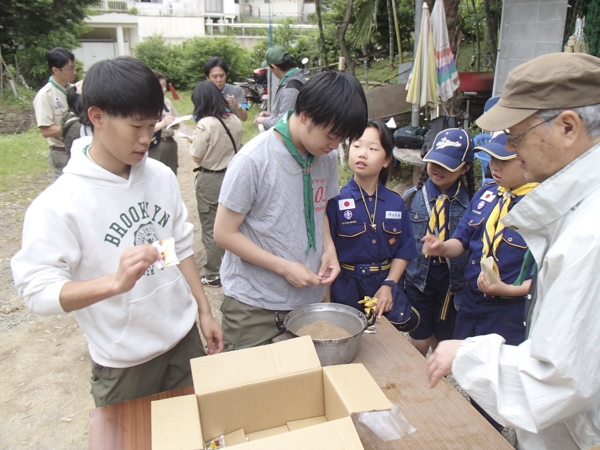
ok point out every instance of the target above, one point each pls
(330, 351)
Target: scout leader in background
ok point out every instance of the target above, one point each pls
(93, 257)
(50, 103)
(291, 82)
(548, 387)
(271, 216)
(215, 70)
(370, 227)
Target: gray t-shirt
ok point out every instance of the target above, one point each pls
(237, 92)
(264, 182)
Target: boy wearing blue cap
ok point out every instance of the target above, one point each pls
(436, 206)
(500, 307)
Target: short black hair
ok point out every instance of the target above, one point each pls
(208, 101)
(287, 63)
(337, 100)
(214, 62)
(123, 87)
(74, 101)
(59, 57)
(387, 142)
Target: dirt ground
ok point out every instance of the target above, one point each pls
(45, 362)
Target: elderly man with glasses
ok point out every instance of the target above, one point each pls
(548, 387)
(50, 103)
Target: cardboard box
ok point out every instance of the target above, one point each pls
(278, 394)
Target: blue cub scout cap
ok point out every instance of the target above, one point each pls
(451, 149)
(497, 148)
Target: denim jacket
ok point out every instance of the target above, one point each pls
(417, 269)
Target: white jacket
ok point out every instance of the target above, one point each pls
(548, 387)
(77, 229)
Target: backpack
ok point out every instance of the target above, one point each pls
(409, 137)
(435, 126)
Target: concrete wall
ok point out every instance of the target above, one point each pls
(530, 28)
(172, 29)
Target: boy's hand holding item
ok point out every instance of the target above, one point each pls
(501, 289)
(132, 266)
(165, 122)
(298, 275)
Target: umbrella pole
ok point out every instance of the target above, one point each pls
(415, 116)
(397, 31)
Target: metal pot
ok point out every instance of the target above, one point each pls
(330, 351)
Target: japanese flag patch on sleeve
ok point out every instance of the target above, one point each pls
(346, 203)
(488, 196)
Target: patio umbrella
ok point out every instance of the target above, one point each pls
(422, 84)
(447, 75)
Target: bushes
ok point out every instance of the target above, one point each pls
(183, 65)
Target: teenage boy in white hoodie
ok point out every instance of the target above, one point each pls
(86, 246)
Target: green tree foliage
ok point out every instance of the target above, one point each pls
(183, 65)
(29, 28)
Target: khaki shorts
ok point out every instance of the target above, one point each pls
(247, 326)
(168, 371)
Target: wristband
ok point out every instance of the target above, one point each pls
(388, 282)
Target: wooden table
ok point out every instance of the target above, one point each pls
(443, 418)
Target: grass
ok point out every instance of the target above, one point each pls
(24, 156)
(379, 70)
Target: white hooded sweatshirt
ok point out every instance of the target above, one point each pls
(77, 229)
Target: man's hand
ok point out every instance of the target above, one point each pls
(164, 123)
(298, 275)
(385, 300)
(232, 102)
(432, 245)
(330, 267)
(264, 114)
(212, 333)
(258, 120)
(133, 264)
(439, 364)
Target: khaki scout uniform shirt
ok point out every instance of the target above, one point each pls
(49, 104)
(212, 143)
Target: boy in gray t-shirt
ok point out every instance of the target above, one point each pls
(271, 217)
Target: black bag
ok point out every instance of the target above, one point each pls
(409, 137)
(435, 126)
(156, 138)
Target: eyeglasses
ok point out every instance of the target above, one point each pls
(69, 69)
(513, 137)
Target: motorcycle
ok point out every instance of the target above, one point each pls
(255, 89)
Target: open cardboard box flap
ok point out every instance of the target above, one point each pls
(253, 364)
(263, 390)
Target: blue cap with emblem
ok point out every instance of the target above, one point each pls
(451, 149)
(497, 148)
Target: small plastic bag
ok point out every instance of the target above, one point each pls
(168, 257)
(387, 425)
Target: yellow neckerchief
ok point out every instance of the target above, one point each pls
(494, 230)
(438, 217)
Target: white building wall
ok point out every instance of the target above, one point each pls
(172, 29)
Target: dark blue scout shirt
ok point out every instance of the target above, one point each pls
(354, 240)
(470, 232)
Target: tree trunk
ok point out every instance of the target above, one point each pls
(454, 35)
(321, 34)
(341, 35)
(390, 25)
(490, 31)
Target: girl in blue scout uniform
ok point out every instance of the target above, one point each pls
(498, 308)
(433, 284)
(371, 231)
